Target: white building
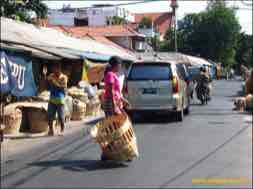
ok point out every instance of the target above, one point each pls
(92, 16)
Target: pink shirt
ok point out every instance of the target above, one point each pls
(112, 78)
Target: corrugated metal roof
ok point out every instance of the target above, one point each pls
(39, 36)
(32, 51)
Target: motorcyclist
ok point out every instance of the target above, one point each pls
(203, 81)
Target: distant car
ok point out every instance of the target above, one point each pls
(156, 86)
(184, 71)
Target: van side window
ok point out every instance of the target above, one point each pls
(179, 71)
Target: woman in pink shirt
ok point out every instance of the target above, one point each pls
(113, 99)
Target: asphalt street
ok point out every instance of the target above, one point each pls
(213, 141)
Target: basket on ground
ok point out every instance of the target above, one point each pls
(12, 121)
(116, 138)
(38, 120)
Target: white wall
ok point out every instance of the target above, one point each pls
(96, 16)
(59, 18)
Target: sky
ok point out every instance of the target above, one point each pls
(185, 7)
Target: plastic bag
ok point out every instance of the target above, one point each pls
(91, 91)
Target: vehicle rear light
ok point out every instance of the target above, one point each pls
(175, 84)
(188, 82)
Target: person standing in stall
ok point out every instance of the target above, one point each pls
(57, 83)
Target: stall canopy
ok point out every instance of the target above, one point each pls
(50, 40)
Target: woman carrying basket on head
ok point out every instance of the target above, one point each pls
(113, 101)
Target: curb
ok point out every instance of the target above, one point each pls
(88, 121)
(25, 135)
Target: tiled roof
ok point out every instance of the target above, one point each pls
(152, 16)
(107, 31)
(161, 20)
(107, 41)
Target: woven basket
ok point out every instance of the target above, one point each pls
(116, 138)
(38, 120)
(79, 110)
(12, 122)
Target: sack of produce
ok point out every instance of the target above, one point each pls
(79, 110)
(93, 107)
(77, 93)
(249, 86)
(249, 102)
(12, 119)
(116, 138)
(87, 88)
(68, 107)
(44, 96)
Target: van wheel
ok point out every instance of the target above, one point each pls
(187, 110)
(179, 115)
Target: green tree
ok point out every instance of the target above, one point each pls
(145, 22)
(244, 50)
(21, 9)
(115, 20)
(211, 34)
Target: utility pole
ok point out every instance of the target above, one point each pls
(174, 6)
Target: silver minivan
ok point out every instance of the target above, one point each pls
(156, 86)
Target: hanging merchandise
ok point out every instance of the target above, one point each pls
(85, 70)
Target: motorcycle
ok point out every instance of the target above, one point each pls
(202, 92)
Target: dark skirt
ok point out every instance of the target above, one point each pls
(107, 106)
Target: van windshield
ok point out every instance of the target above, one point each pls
(150, 71)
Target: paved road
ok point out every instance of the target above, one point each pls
(212, 142)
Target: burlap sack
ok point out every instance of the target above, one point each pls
(68, 107)
(79, 94)
(93, 107)
(249, 86)
(79, 110)
(44, 96)
(249, 102)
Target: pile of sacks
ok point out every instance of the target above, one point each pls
(80, 101)
(85, 101)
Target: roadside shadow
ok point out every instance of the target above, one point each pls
(153, 118)
(79, 165)
(197, 104)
